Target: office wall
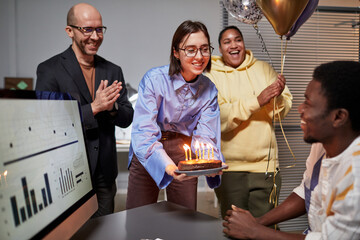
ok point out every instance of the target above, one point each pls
(138, 37)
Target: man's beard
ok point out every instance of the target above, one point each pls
(310, 140)
(82, 46)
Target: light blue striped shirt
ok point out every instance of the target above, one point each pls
(171, 104)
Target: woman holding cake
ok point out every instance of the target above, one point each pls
(247, 88)
(177, 105)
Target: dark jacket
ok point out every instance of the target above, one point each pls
(62, 73)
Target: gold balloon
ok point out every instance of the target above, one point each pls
(282, 14)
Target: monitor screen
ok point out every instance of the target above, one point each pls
(45, 177)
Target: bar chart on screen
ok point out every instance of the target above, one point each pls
(43, 168)
(32, 207)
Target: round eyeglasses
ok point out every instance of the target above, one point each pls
(191, 51)
(88, 31)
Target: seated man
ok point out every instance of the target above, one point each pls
(330, 190)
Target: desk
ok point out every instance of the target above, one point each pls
(164, 220)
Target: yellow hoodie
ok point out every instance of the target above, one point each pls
(246, 129)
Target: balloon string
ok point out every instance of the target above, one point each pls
(287, 142)
(276, 108)
(283, 54)
(264, 49)
(273, 198)
(273, 194)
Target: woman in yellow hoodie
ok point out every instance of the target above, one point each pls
(246, 91)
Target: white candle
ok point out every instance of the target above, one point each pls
(212, 151)
(185, 148)
(208, 147)
(203, 150)
(197, 149)
(189, 153)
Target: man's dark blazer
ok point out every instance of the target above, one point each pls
(62, 73)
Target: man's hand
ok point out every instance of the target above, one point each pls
(240, 223)
(274, 90)
(106, 96)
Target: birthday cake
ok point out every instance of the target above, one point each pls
(200, 164)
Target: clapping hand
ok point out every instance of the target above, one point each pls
(106, 96)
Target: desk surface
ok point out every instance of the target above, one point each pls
(163, 220)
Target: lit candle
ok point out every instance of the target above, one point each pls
(185, 148)
(197, 150)
(212, 151)
(208, 147)
(189, 153)
(5, 173)
(203, 150)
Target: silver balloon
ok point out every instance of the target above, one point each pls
(263, 45)
(245, 11)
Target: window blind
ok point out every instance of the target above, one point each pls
(331, 33)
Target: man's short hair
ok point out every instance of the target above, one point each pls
(340, 84)
(70, 19)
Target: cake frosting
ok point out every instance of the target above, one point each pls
(200, 164)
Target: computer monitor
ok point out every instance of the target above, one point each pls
(45, 181)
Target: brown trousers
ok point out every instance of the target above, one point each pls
(142, 189)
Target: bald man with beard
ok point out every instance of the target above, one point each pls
(99, 86)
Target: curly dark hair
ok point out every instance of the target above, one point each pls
(340, 84)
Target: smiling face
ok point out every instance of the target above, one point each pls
(232, 48)
(192, 66)
(85, 16)
(315, 117)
